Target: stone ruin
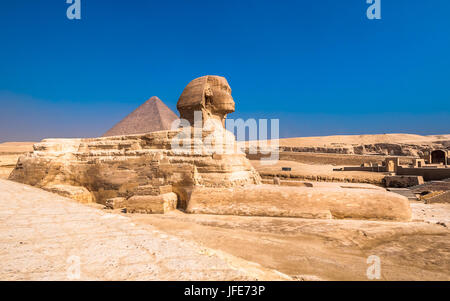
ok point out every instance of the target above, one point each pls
(150, 173)
(401, 175)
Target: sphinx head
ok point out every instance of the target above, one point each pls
(210, 95)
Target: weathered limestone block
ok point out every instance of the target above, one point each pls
(115, 203)
(159, 204)
(145, 203)
(271, 200)
(57, 146)
(77, 193)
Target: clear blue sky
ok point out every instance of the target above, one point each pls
(320, 66)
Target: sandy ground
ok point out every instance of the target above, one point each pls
(16, 147)
(431, 213)
(40, 231)
(47, 237)
(301, 171)
(321, 249)
(8, 160)
(7, 164)
(9, 153)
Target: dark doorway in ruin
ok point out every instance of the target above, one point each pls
(437, 157)
(182, 196)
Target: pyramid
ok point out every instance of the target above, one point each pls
(151, 116)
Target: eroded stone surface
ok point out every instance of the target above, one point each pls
(210, 95)
(304, 202)
(124, 166)
(151, 203)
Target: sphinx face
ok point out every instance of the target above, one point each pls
(211, 95)
(218, 99)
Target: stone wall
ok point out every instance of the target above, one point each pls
(428, 173)
(330, 158)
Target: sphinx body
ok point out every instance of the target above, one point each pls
(197, 167)
(99, 169)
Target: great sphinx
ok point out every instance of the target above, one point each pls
(195, 167)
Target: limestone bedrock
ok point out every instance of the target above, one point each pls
(303, 202)
(198, 161)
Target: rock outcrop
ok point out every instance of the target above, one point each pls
(304, 202)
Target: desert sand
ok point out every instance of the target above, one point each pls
(115, 246)
(41, 233)
(324, 250)
(9, 154)
(16, 147)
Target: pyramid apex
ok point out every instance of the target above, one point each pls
(154, 98)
